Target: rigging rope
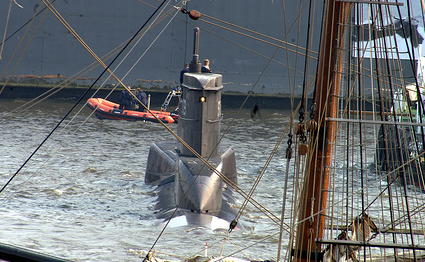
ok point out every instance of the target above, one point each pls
(18, 4)
(257, 33)
(234, 186)
(26, 23)
(258, 39)
(370, 184)
(7, 23)
(124, 86)
(17, 47)
(64, 22)
(72, 31)
(0, 191)
(76, 113)
(5, 29)
(67, 26)
(81, 97)
(239, 45)
(147, 49)
(285, 187)
(64, 84)
(248, 197)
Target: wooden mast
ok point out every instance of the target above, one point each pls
(328, 80)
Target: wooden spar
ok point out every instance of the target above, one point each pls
(312, 212)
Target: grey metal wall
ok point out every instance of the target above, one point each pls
(104, 24)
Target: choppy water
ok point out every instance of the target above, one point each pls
(83, 196)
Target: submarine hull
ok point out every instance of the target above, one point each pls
(203, 198)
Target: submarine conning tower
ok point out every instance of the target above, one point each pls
(200, 114)
(200, 109)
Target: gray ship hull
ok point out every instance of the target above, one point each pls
(105, 24)
(53, 53)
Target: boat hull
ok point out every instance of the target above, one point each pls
(105, 109)
(204, 200)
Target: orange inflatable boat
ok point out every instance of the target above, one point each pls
(105, 109)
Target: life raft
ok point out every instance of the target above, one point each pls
(104, 109)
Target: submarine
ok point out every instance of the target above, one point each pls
(189, 192)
